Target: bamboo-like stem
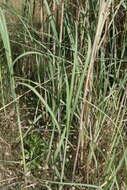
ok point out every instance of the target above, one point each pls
(85, 115)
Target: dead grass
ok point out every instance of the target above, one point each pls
(10, 165)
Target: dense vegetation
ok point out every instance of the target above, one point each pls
(63, 95)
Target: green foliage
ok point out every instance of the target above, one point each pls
(35, 150)
(69, 74)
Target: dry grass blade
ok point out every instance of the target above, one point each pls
(84, 118)
(61, 20)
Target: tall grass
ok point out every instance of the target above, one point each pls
(69, 71)
(7, 47)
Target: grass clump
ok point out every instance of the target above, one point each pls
(63, 86)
